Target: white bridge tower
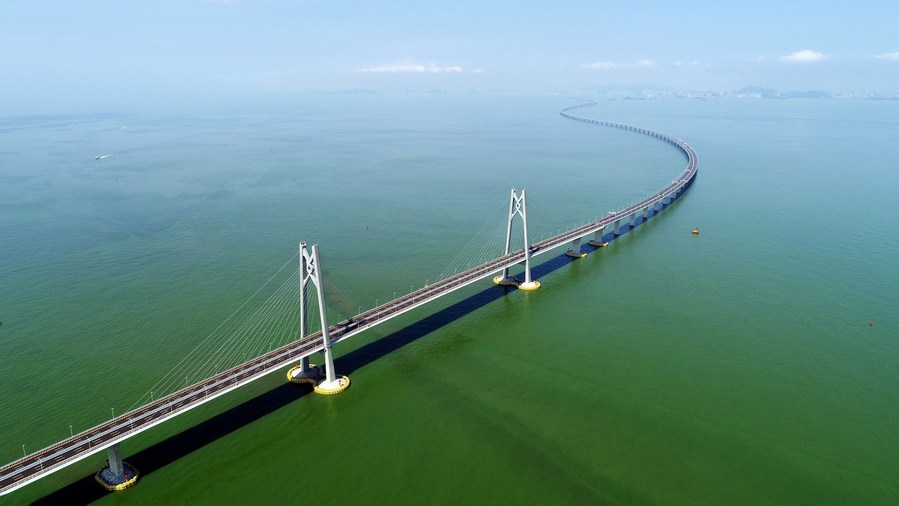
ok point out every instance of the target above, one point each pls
(310, 272)
(518, 206)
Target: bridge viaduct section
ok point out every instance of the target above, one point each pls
(108, 435)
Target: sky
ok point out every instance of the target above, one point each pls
(96, 54)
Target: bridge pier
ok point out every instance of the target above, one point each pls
(304, 372)
(597, 239)
(116, 474)
(518, 206)
(114, 459)
(645, 214)
(575, 250)
(633, 222)
(617, 230)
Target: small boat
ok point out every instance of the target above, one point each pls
(695, 231)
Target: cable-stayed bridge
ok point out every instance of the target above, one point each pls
(153, 411)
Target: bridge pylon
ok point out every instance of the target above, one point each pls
(518, 206)
(310, 272)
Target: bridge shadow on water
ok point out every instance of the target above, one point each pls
(165, 452)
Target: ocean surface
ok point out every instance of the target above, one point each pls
(754, 363)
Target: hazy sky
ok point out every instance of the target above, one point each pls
(56, 53)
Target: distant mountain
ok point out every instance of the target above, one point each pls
(807, 94)
(756, 92)
(759, 92)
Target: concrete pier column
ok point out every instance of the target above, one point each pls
(114, 454)
(597, 239)
(304, 372)
(633, 222)
(117, 474)
(646, 213)
(617, 230)
(575, 251)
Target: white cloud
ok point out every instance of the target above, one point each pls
(601, 65)
(606, 65)
(409, 67)
(806, 55)
(694, 63)
(888, 56)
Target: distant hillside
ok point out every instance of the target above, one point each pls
(759, 92)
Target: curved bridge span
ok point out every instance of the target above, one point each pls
(107, 435)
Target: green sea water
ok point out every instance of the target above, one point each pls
(739, 366)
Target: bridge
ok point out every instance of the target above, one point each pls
(107, 436)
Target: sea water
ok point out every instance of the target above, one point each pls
(754, 363)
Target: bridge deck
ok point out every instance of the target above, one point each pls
(32, 467)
